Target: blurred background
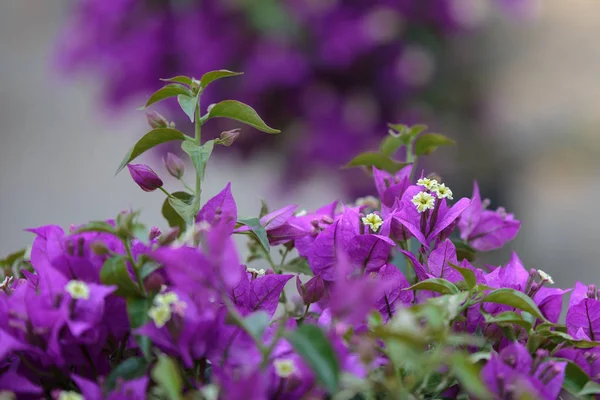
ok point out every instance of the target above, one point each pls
(514, 82)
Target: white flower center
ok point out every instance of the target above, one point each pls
(165, 304)
(257, 272)
(285, 367)
(160, 315)
(442, 191)
(545, 277)
(373, 220)
(427, 183)
(68, 395)
(423, 201)
(78, 290)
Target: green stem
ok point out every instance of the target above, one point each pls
(136, 270)
(185, 185)
(165, 192)
(198, 142)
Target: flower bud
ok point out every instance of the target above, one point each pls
(169, 237)
(228, 137)
(153, 282)
(311, 291)
(155, 120)
(174, 165)
(154, 233)
(145, 177)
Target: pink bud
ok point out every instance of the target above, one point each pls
(174, 165)
(311, 291)
(228, 137)
(155, 120)
(145, 177)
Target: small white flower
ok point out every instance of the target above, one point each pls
(285, 367)
(78, 290)
(301, 213)
(423, 201)
(545, 277)
(442, 191)
(427, 183)
(160, 315)
(257, 272)
(166, 299)
(373, 220)
(68, 395)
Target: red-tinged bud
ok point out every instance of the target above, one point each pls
(154, 282)
(154, 233)
(145, 177)
(169, 237)
(311, 291)
(155, 120)
(174, 165)
(228, 137)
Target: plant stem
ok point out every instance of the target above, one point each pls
(136, 270)
(165, 192)
(198, 141)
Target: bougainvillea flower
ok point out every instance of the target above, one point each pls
(485, 229)
(145, 177)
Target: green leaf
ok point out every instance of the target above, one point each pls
(377, 160)
(390, 144)
(516, 299)
(256, 323)
(129, 369)
(186, 80)
(507, 317)
(463, 250)
(264, 208)
(212, 76)
(428, 142)
(467, 274)
(172, 217)
(575, 378)
(437, 285)
(258, 231)
(114, 272)
(312, 345)
(199, 155)
(589, 388)
(166, 375)
(137, 310)
(188, 104)
(10, 259)
(240, 112)
(97, 226)
(165, 92)
(149, 267)
(468, 374)
(150, 140)
(298, 265)
(581, 344)
(183, 209)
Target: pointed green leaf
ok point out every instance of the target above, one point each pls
(185, 210)
(298, 265)
(166, 374)
(377, 160)
(129, 369)
(97, 226)
(188, 104)
(468, 374)
(312, 345)
(437, 285)
(150, 140)
(137, 310)
(165, 92)
(186, 80)
(258, 231)
(240, 112)
(212, 76)
(507, 317)
(10, 259)
(467, 274)
(575, 378)
(589, 389)
(264, 208)
(463, 250)
(199, 155)
(172, 216)
(390, 144)
(428, 142)
(516, 299)
(114, 272)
